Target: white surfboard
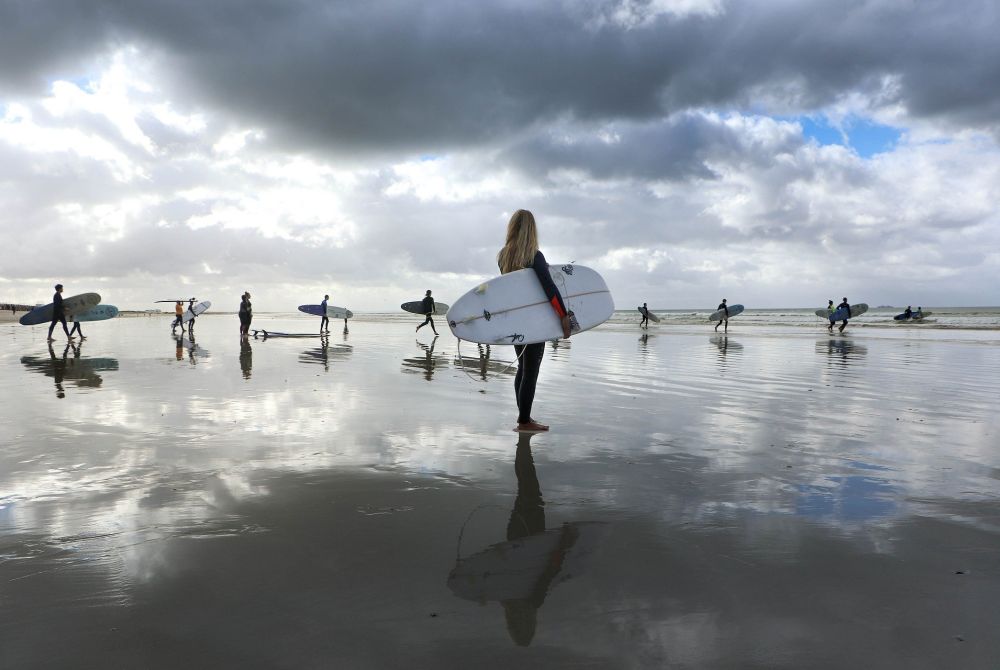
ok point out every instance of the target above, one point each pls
(197, 310)
(718, 315)
(513, 309)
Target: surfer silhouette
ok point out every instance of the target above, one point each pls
(830, 309)
(58, 313)
(725, 316)
(847, 313)
(521, 251)
(324, 323)
(246, 315)
(77, 329)
(179, 321)
(645, 317)
(191, 324)
(429, 309)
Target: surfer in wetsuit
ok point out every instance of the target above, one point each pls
(77, 329)
(830, 309)
(847, 313)
(908, 313)
(190, 325)
(520, 251)
(428, 306)
(919, 314)
(246, 315)
(179, 321)
(324, 323)
(58, 313)
(725, 317)
(645, 317)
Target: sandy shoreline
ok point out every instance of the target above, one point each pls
(779, 499)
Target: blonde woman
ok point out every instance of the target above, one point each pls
(519, 252)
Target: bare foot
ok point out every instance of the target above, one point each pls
(530, 427)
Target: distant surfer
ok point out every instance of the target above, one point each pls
(324, 324)
(919, 314)
(847, 313)
(58, 313)
(830, 309)
(191, 324)
(246, 315)
(645, 317)
(179, 321)
(520, 251)
(429, 309)
(908, 312)
(725, 316)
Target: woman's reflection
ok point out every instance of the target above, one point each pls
(246, 358)
(518, 573)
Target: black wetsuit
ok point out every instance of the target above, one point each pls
(324, 323)
(529, 359)
(246, 315)
(58, 314)
(846, 306)
(645, 317)
(427, 304)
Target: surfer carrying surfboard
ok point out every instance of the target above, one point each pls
(58, 313)
(645, 317)
(520, 251)
(429, 309)
(847, 313)
(179, 321)
(324, 322)
(725, 316)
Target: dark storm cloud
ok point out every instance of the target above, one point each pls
(428, 76)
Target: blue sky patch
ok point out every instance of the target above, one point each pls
(865, 137)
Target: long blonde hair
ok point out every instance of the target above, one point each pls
(522, 242)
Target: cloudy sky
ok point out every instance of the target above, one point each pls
(774, 152)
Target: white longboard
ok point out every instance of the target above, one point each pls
(513, 309)
(720, 314)
(652, 317)
(73, 305)
(197, 310)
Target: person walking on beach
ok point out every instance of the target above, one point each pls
(58, 313)
(847, 313)
(191, 324)
(77, 329)
(179, 321)
(429, 309)
(324, 323)
(246, 315)
(645, 317)
(521, 251)
(725, 317)
(830, 309)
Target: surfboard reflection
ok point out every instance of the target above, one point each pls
(187, 345)
(325, 353)
(70, 366)
(520, 572)
(427, 363)
(483, 364)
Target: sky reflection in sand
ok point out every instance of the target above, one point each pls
(770, 501)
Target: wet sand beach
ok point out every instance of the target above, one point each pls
(776, 498)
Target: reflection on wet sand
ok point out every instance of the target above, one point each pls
(841, 350)
(246, 358)
(324, 353)
(427, 363)
(484, 363)
(193, 349)
(520, 572)
(64, 367)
